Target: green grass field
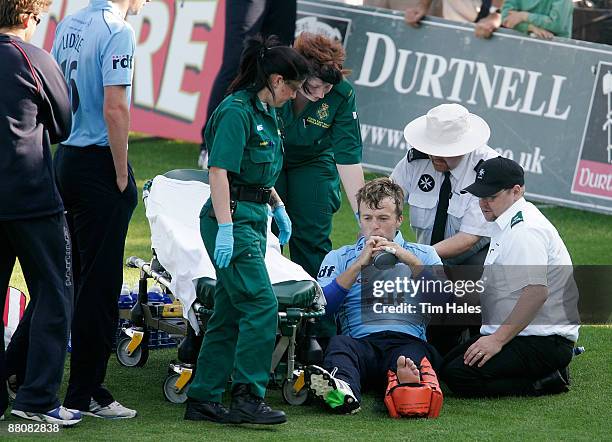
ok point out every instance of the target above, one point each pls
(582, 414)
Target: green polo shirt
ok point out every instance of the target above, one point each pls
(553, 15)
(325, 129)
(243, 138)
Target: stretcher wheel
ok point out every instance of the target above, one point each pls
(290, 396)
(170, 392)
(137, 359)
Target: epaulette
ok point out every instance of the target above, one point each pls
(414, 154)
(518, 218)
(344, 88)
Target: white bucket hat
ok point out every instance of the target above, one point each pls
(447, 130)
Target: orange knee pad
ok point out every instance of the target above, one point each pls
(415, 400)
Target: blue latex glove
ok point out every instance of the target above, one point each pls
(224, 245)
(284, 224)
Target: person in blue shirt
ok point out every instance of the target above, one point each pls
(95, 50)
(376, 338)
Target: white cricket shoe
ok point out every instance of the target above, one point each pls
(113, 410)
(336, 393)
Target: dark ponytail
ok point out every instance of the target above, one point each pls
(262, 58)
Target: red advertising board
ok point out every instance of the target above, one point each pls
(179, 49)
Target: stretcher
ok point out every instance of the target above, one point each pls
(182, 267)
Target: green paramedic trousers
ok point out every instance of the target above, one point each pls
(241, 332)
(311, 193)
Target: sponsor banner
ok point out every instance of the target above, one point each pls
(544, 101)
(594, 169)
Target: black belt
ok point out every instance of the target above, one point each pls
(253, 194)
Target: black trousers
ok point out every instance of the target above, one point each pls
(512, 371)
(98, 216)
(42, 246)
(243, 19)
(449, 330)
(364, 362)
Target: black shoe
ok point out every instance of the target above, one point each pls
(206, 411)
(554, 383)
(247, 408)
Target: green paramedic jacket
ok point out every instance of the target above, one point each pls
(243, 138)
(325, 129)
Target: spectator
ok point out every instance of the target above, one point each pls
(541, 18)
(401, 5)
(243, 19)
(467, 11)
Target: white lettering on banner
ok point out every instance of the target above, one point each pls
(461, 65)
(486, 84)
(368, 60)
(157, 15)
(508, 89)
(399, 73)
(595, 180)
(531, 83)
(507, 153)
(532, 162)
(515, 92)
(554, 99)
(393, 139)
(182, 54)
(435, 68)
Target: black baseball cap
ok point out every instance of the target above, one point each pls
(494, 175)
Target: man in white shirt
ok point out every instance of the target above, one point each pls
(447, 145)
(528, 331)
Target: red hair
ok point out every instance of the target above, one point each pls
(326, 56)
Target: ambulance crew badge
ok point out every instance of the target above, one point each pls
(323, 111)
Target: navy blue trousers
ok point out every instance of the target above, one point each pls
(98, 216)
(364, 362)
(42, 246)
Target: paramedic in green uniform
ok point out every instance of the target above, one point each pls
(322, 144)
(322, 147)
(244, 161)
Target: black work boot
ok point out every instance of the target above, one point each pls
(206, 411)
(247, 408)
(554, 383)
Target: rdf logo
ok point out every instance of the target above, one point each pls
(331, 27)
(123, 61)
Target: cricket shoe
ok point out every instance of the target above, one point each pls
(59, 415)
(336, 393)
(114, 410)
